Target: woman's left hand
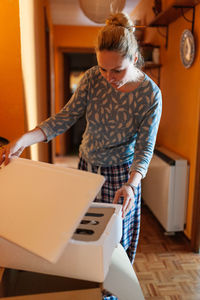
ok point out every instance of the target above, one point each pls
(128, 199)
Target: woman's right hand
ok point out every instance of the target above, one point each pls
(16, 147)
(13, 149)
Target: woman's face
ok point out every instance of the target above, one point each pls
(117, 70)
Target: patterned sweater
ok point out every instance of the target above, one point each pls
(120, 126)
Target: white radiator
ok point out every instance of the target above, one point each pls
(165, 189)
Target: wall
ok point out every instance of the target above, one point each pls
(180, 88)
(23, 98)
(75, 36)
(12, 116)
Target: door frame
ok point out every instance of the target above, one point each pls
(195, 239)
(59, 102)
(48, 79)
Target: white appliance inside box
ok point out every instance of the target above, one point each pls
(42, 206)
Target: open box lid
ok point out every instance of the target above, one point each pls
(42, 204)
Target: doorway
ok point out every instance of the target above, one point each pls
(75, 63)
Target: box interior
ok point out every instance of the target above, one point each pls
(18, 283)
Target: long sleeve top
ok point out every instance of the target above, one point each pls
(119, 125)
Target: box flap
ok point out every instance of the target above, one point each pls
(42, 204)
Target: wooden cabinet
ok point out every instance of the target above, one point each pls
(147, 51)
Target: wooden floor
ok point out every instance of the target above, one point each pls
(165, 266)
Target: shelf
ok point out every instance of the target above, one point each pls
(147, 51)
(151, 65)
(148, 45)
(172, 13)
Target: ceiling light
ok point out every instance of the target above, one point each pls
(99, 10)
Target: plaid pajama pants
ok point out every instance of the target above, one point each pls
(115, 177)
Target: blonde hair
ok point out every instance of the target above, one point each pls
(118, 35)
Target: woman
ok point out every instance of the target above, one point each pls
(123, 109)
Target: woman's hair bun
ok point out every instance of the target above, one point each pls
(120, 19)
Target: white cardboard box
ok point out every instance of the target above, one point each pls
(41, 207)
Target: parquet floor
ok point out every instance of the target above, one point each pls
(165, 266)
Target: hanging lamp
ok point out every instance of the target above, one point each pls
(98, 10)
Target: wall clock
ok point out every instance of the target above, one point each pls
(187, 48)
